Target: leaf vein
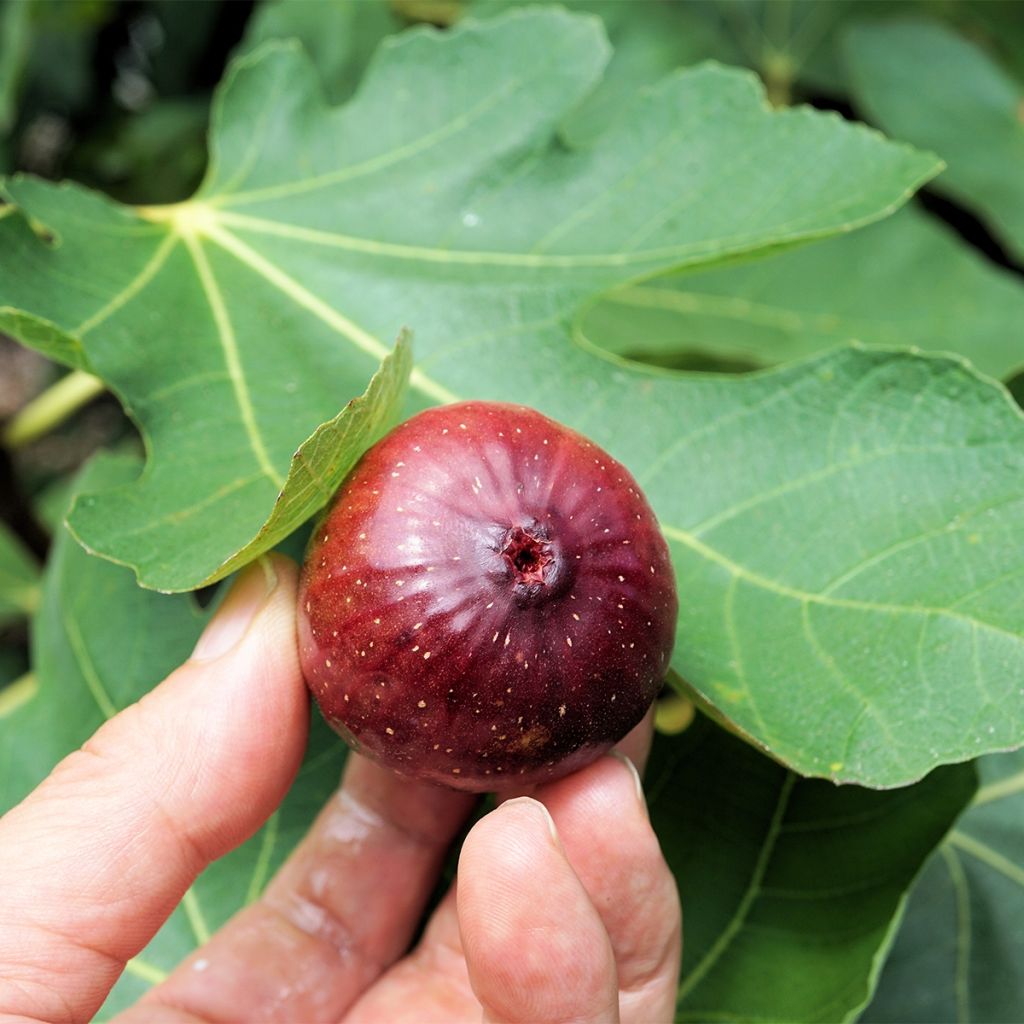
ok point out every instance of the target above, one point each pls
(796, 483)
(268, 840)
(229, 344)
(1010, 786)
(122, 298)
(85, 663)
(796, 594)
(753, 890)
(374, 164)
(196, 919)
(961, 976)
(984, 853)
(359, 336)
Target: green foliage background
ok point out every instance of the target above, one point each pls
(589, 197)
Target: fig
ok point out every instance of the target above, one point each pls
(488, 601)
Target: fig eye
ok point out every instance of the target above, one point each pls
(527, 556)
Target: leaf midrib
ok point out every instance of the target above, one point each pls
(90, 676)
(678, 255)
(232, 357)
(1000, 789)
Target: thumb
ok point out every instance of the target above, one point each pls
(100, 854)
(535, 947)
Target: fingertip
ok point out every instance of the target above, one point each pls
(503, 854)
(534, 944)
(535, 811)
(244, 598)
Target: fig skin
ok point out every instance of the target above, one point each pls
(488, 603)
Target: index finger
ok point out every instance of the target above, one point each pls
(99, 855)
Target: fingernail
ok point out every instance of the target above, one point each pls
(248, 594)
(536, 808)
(634, 774)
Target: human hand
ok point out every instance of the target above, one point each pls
(564, 907)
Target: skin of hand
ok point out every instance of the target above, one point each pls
(563, 910)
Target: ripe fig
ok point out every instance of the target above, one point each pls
(488, 602)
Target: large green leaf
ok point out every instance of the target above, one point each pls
(959, 955)
(99, 643)
(791, 888)
(838, 528)
(904, 281)
(435, 230)
(922, 82)
(845, 591)
(19, 577)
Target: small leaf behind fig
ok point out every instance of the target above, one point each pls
(317, 468)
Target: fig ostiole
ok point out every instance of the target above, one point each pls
(488, 602)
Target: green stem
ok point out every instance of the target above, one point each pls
(52, 408)
(779, 73)
(21, 691)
